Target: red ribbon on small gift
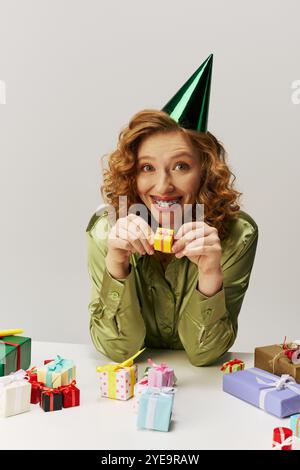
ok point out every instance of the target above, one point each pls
(50, 392)
(69, 388)
(230, 364)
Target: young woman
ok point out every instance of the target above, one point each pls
(188, 299)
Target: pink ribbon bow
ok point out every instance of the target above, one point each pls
(162, 367)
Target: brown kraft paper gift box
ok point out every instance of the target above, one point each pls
(263, 359)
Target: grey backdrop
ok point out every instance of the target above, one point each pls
(75, 72)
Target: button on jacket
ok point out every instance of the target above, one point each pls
(160, 309)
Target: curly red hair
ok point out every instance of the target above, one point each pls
(216, 187)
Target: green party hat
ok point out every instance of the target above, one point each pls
(189, 106)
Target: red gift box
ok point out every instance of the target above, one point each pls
(36, 388)
(282, 439)
(70, 395)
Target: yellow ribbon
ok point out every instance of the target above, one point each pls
(297, 426)
(111, 369)
(17, 331)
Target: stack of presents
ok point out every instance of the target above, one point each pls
(153, 395)
(52, 385)
(273, 384)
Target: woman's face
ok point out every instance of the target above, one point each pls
(167, 169)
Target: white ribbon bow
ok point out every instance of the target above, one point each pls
(161, 391)
(280, 383)
(285, 381)
(17, 376)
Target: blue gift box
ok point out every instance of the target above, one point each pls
(279, 396)
(155, 409)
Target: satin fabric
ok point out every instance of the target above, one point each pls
(160, 309)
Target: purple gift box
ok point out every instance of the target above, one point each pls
(160, 375)
(279, 396)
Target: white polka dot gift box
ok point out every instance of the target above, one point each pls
(117, 380)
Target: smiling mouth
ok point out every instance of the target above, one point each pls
(166, 203)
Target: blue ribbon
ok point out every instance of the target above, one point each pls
(57, 366)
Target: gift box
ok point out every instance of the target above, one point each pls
(163, 239)
(282, 439)
(160, 375)
(51, 399)
(117, 380)
(232, 366)
(295, 424)
(35, 396)
(70, 395)
(139, 388)
(36, 388)
(279, 396)
(57, 372)
(14, 394)
(118, 383)
(273, 359)
(155, 409)
(15, 354)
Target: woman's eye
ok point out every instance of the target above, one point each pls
(145, 166)
(183, 164)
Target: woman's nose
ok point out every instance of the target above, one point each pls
(164, 183)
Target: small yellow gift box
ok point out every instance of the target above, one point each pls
(117, 380)
(163, 239)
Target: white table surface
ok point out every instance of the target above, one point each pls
(205, 417)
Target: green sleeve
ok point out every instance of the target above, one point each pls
(208, 327)
(117, 328)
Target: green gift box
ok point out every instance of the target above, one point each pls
(15, 354)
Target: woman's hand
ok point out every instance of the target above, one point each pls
(130, 234)
(201, 244)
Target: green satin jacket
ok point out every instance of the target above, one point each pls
(165, 310)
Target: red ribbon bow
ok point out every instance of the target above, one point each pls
(36, 384)
(144, 381)
(231, 363)
(71, 387)
(68, 387)
(50, 392)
